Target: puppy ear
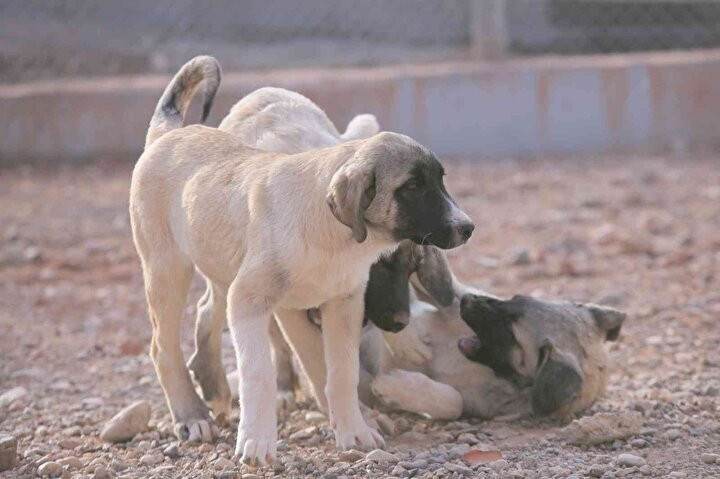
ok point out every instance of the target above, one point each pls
(433, 272)
(351, 191)
(609, 320)
(556, 384)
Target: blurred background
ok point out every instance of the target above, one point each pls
(488, 78)
(42, 39)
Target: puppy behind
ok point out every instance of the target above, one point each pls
(275, 233)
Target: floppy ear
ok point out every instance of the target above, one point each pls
(434, 274)
(556, 382)
(351, 191)
(609, 320)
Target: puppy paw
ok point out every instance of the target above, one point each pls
(202, 430)
(256, 447)
(408, 346)
(354, 433)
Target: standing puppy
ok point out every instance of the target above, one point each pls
(275, 233)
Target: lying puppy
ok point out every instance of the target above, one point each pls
(274, 233)
(526, 355)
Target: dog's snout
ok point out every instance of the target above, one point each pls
(465, 230)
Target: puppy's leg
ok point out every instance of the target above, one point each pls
(282, 359)
(415, 392)
(251, 298)
(206, 363)
(307, 343)
(342, 327)
(167, 279)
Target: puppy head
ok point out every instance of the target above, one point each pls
(394, 186)
(556, 347)
(387, 296)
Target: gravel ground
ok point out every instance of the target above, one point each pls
(640, 234)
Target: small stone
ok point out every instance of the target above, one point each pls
(71, 462)
(416, 464)
(68, 443)
(458, 451)
(101, 473)
(51, 469)
(597, 470)
(602, 428)
(172, 451)
(500, 465)
(95, 463)
(464, 470)
(380, 456)
(151, 459)
(92, 403)
(315, 417)
(303, 433)
(638, 443)
(467, 438)
(645, 470)
(8, 452)
(127, 423)
(12, 395)
(117, 465)
(673, 434)
(630, 460)
(709, 458)
(678, 474)
(250, 476)
(351, 455)
(398, 471)
(206, 448)
(222, 463)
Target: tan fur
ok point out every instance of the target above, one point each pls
(257, 225)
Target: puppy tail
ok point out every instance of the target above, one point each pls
(170, 110)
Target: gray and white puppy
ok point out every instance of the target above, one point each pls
(484, 356)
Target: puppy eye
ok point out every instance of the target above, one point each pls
(412, 185)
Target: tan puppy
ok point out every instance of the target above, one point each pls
(274, 233)
(272, 119)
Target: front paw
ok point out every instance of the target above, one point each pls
(257, 447)
(201, 430)
(354, 433)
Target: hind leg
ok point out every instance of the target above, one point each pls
(282, 359)
(167, 279)
(206, 363)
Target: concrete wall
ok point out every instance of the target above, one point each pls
(544, 106)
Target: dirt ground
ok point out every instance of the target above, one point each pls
(640, 234)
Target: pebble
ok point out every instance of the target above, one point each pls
(117, 465)
(673, 434)
(51, 469)
(303, 433)
(708, 458)
(71, 462)
(12, 395)
(416, 464)
(638, 443)
(678, 474)
(151, 459)
(68, 443)
(630, 460)
(172, 451)
(8, 452)
(467, 438)
(101, 473)
(602, 428)
(464, 470)
(500, 465)
(378, 455)
(597, 470)
(315, 417)
(127, 423)
(222, 463)
(398, 471)
(250, 476)
(351, 455)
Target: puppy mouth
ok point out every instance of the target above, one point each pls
(469, 346)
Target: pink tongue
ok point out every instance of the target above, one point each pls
(469, 345)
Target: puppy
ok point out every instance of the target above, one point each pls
(483, 356)
(274, 233)
(279, 120)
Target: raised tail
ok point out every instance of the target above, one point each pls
(170, 110)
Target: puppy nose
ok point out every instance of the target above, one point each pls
(465, 230)
(465, 301)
